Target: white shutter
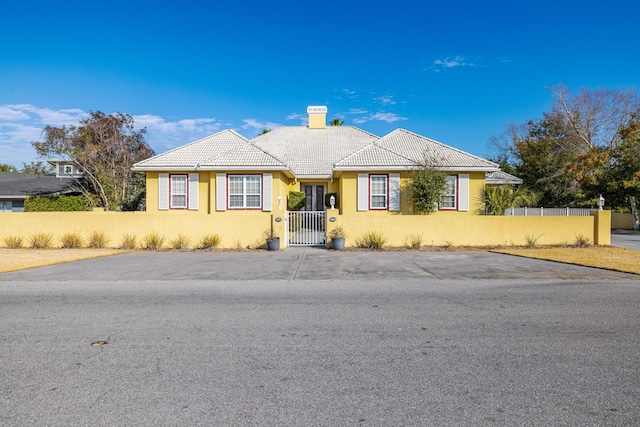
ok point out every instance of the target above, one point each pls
(394, 191)
(194, 181)
(267, 199)
(463, 192)
(221, 192)
(163, 191)
(363, 192)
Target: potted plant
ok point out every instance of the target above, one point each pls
(273, 240)
(337, 236)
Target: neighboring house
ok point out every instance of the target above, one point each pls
(15, 187)
(500, 178)
(226, 173)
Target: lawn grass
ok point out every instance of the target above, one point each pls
(22, 259)
(604, 257)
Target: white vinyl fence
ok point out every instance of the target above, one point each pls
(547, 212)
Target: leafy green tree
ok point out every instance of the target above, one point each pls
(7, 168)
(265, 130)
(336, 122)
(37, 168)
(566, 156)
(103, 147)
(498, 199)
(538, 152)
(428, 182)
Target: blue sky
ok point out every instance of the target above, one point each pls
(456, 72)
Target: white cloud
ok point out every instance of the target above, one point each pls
(348, 92)
(451, 62)
(379, 116)
(304, 119)
(20, 124)
(357, 111)
(257, 126)
(385, 100)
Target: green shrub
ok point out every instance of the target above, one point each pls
(98, 240)
(128, 241)
(40, 240)
(71, 241)
(296, 200)
(13, 242)
(370, 240)
(152, 241)
(54, 203)
(180, 242)
(210, 241)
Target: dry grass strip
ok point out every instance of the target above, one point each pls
(605, 257)
(22, 259)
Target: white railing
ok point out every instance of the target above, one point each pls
(547, 212)
(306, 228)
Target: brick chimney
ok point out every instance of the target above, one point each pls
(317, 117)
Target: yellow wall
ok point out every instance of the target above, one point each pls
(242, 228)
(349, 190)
(247, 228)
(621, 221)
(469, 230)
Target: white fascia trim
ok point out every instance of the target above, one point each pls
(207, 168)
(405, 168)
(312, 177)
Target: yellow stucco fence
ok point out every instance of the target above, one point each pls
(468, 230)
(247, 229)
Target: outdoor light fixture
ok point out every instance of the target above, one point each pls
(600, 202)
(332, 201)
(279, 202)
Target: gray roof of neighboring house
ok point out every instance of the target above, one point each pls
(501, 178)
(18, 185)
(313, 153)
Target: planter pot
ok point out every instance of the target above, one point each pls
(273, 244)
(337, 243)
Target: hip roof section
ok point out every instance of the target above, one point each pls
(316, 153)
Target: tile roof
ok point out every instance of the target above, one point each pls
(313, 152)
(20, 185)
(226, 148)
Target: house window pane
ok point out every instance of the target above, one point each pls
(378, 191)
(449, 196)
(245, 191)
(178, 191)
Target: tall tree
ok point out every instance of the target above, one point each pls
(336, 122)
(566, 155)
(103, 147)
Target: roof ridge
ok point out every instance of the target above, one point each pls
(441, 144)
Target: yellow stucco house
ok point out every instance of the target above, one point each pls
(244, 184)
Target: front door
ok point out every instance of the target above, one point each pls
(315, 197)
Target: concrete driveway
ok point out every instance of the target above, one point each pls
(626, 239)
(311, 264)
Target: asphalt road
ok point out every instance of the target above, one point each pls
(386, 339)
